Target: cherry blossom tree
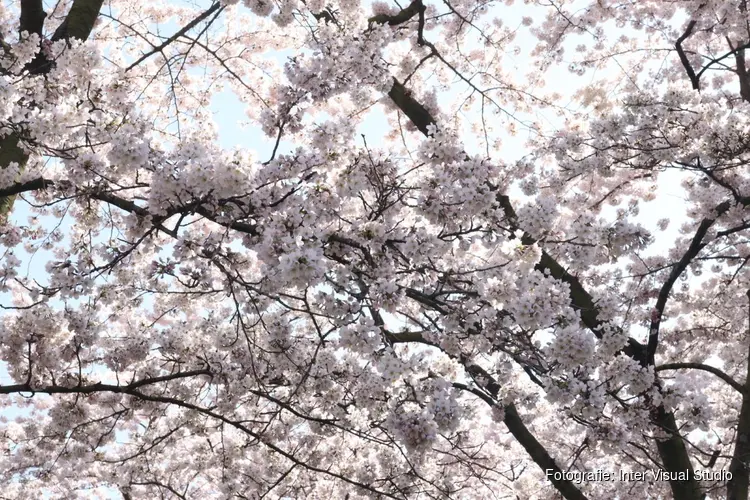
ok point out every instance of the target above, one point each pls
(477, 301)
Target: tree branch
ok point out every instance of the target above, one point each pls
(706, 368)
(737, 486)
(80, 20)
(32, 17)
(401, 17)
(214, 8)
(683, 58)
(132, 390)
(521, 433)
(696, 245)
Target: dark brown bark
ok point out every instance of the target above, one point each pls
(675, 457)
(10, 151)
(737, 486)
(80, 20)
(32, 17)
(521, 433)
(742, 74)
(539, 454)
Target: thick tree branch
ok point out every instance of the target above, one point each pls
(32, 17)
(514, 423)
(683, 58)
(80, 20)
(696, 245)
(521, 433)
(675, 457)
(10, 152)
(401, 17)
(737, 486)
(538, 453)
(99, 387)
(706, 368)
(739, 58)
(413, 109)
